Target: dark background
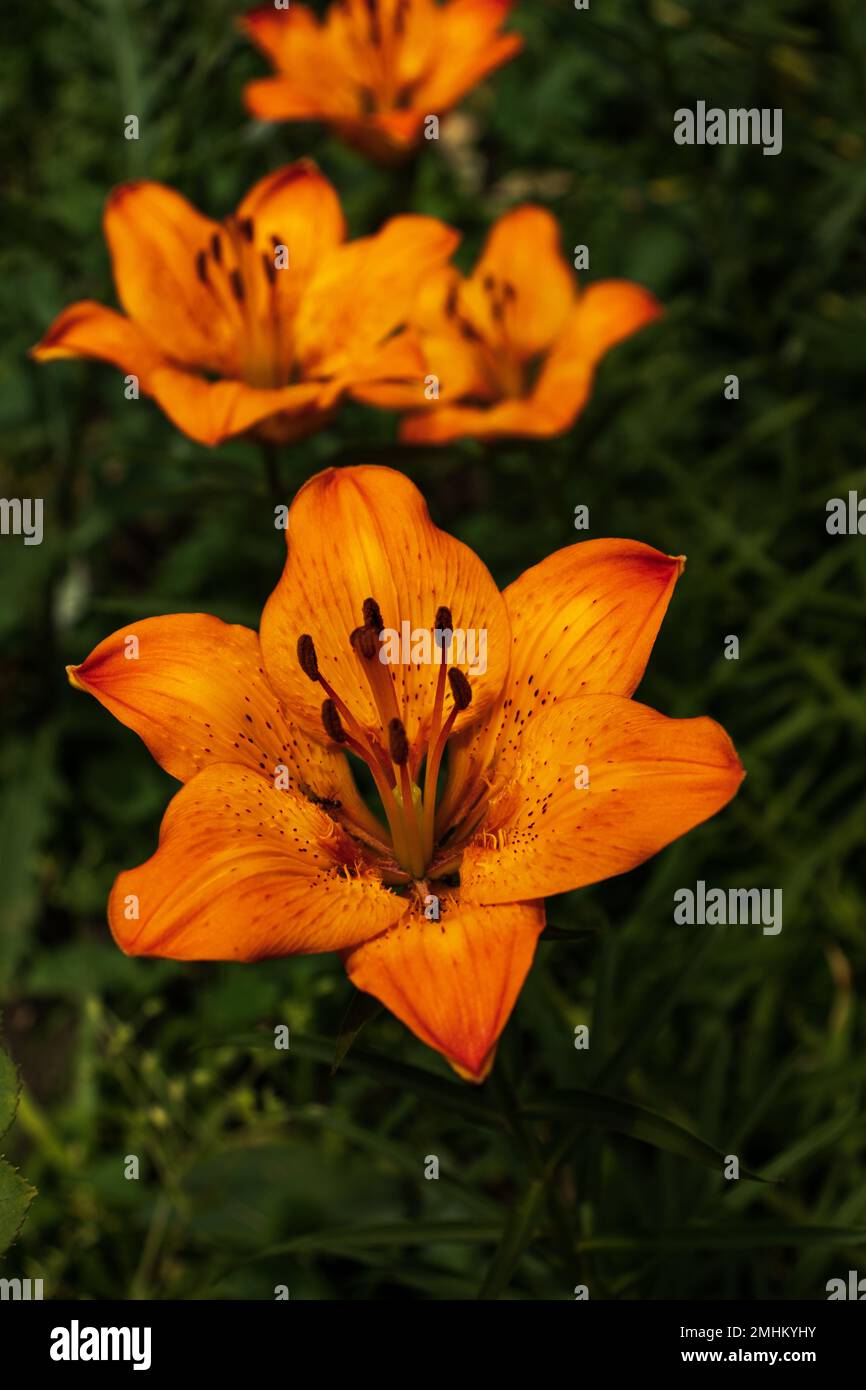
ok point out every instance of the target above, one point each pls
(258, 1167)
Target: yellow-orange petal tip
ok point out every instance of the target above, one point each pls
(72, 677)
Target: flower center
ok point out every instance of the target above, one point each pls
(242, 280)
(409, 806)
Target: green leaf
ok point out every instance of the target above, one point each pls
(363, 1008)
(15, 1194)
(15, 1198)
(455, 1096)
(590, 1110)
(10, 1087)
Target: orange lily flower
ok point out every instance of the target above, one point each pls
(261, 322)
(514, 346)
(374, 70)
(435, 902)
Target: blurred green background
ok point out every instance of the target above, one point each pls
(260, 1167)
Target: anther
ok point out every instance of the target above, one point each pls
(307, 656)
(332, 722)
(201, 266)
(365, 642)
(216, 247)
(460, 689)
(270, 268)
(373, 615)
(444, 622)
(246, 228)
(237, 284)
(398, 743)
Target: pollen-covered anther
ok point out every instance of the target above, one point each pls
(332, 722)
(444, 621)
(398, 743)
(307, 656)
(460, 689)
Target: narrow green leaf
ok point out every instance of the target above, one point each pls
(519, 1230)
(363, 1008)
(456, 1096)
(754, 1236)
(590, 1110)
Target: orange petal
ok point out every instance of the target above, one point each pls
(523, 251)
(651, 779)
(299, 208)
(243, 872)
(275, 31)
(194, 691)
(604, 315)
(469, 47)
(583, 622)
(365, 290)
(504, 420)
(312, 80)
(88, 329)
(451, 361)
(358, 533)
(211, 411)
(453, 982)
(154, 236)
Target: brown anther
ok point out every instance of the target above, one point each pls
(332, 722)
(398, 743)
(444, 621)
(451, 302)
(460, 689)
(468, 332)
(373, 615)
(237, 285)
(365, 642)
(201, 266)
(270, 269)
(216, 248)
(246, 228)
(489, 284)
(307, 658)
(509, 291)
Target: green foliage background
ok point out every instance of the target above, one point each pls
(259, 1167)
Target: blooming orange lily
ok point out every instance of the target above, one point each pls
(514, 346)
(261, 322)
(434, 899)
(374, 70)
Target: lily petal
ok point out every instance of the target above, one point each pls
(193, 689)
(154, 236)
(396, 556)
(470, 46)
(453, 982)
(244, 872)
(88, 329)
(605, 314)
(651, 779)
(364, 291)
(212, 411)
(523, 251)
(583, 622)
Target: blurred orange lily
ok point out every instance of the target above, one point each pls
(261, 322)
(435, 900)
(514, 346)
(375, 70)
